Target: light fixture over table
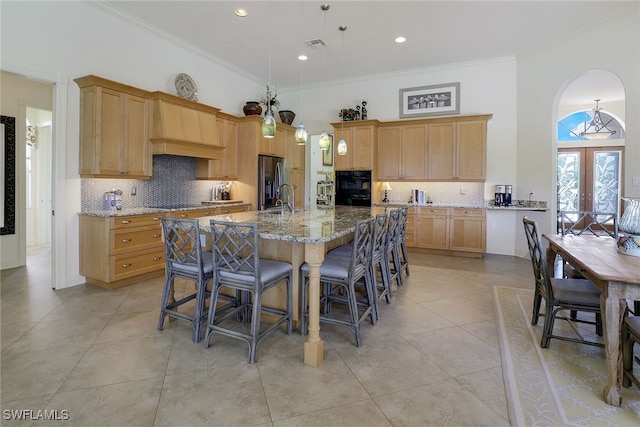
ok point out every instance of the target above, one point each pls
(597, 129)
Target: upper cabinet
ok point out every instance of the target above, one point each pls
(361, 137)
(402, 152)
(436, 149)
(276, 146)
(114, 129)
(225, 168)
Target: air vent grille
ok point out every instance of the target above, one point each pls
(316, 43)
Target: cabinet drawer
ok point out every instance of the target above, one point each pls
(135, 239)
(124, 222)
(124, 265)
(468, 212)
(197, 213)
(432, 211)
(223, 211)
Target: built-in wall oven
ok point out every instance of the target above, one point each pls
(353, 188)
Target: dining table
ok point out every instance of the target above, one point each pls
(298, 237)
(617, 275)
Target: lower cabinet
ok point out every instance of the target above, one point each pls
(117, 251)
(454, 231)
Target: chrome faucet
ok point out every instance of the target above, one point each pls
(291, 200)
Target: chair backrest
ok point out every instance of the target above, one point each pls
(182, 243)
(393, 228)
(235, 250)
(404, 214)
(538, 261)
(597, 223)
(361, 249)
(380, 235)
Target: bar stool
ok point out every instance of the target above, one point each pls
(185, 259)
(401, 243)
(237, 265)
(338, 277)
(392, 255)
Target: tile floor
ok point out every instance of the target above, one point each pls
(433, 359)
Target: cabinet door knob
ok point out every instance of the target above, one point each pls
(126, 265)
(156, 219)
(184, 215)
(126, 221)
(157, 258)
(126, 240)
(155, 236)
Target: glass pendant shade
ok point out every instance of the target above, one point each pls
(301, 135)
(342, 147)
(269, 126)
(324, 142)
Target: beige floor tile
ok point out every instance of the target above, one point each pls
(365, 414)
(487, 386)
(485, 330)
(84, 306)
(456, 351)
(35, 373)
(128, 404)
(230, 396)
(53, 333)
(461, 311)
(118, 361)
(142, 324)
(387, 365)
(441, 404)
(11, 330)
(294, 389)
(410, 319)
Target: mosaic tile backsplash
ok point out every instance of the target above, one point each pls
(173, 183)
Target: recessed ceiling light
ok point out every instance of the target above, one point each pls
(302, 57)
(241, 13)
(400, 39)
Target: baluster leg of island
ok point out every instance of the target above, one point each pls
(314, 347)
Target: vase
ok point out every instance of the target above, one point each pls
(630, 220)
(287, 116)
(252, 108)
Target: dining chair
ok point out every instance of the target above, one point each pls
(339, 276)
(630, 336)
(237, 265)
(559, 294)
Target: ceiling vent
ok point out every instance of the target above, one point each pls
(316, 43)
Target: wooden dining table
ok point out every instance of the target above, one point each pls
(618, 278)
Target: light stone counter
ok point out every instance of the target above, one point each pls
(149, 210)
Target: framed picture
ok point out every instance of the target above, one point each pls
(327, 155)
(434, 100)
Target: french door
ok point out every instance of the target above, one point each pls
(590, 179)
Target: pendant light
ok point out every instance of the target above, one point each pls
(325, 142)
(269, 122)
(301, 133)
(597, 129)
(342, 144)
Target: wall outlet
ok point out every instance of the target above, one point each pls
(134, 191)
(463, 191)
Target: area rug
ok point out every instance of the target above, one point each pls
(558, 386)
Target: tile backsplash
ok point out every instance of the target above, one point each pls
(439, 192)
(173, 183)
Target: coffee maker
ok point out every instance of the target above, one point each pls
(507, 194)
(499, 199)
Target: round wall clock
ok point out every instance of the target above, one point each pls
(186, 87)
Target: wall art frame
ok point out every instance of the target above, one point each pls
(8, 177)
(433, 100)
(327, 155)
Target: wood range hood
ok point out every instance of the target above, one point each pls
(180, 127)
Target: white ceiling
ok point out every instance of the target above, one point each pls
(437, 32)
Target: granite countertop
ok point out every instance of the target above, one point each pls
(153, 210)
(518, 205)
(314, 225)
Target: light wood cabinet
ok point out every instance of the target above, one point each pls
(402, 152)
(457, 151)
(114, 130)
(117, 251)
(225, 168)
(361, 137)
(458, 231)
(276, 146)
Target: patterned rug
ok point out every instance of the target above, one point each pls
(558, 386)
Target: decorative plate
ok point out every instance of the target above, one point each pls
(186, 87)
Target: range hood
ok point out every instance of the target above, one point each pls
(181, 127)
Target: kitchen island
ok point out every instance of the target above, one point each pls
(300, 237)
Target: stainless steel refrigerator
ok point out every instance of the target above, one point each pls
(272, 173)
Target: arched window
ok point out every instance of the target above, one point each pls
(573, 126)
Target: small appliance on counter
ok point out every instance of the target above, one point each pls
(112, 200)
(503, 195)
